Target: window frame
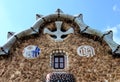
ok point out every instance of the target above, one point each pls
(59, 62)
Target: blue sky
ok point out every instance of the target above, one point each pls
(17, 15)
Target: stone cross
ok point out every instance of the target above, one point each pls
(58, 33)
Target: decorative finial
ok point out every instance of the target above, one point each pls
(80, 16)
(38, 16)
(10, 34)
(59, 11)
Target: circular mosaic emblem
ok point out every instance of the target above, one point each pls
(86, 50)
(31, 52)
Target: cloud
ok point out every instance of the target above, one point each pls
(116, 8)
(116, 32)
(114, 28)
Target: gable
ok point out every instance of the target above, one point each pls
(60, 39)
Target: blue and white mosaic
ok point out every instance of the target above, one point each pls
(31, 52)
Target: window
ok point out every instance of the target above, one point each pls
(59, 62)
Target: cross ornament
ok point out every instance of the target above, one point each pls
(58, 33)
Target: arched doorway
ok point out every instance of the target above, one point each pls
(60, 77)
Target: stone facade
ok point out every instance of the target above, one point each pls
(102, 67)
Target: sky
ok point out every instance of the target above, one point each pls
(17, 15)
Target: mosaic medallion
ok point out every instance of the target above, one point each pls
(31, 52)
(86, 50)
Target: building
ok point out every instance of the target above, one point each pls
(60, 48)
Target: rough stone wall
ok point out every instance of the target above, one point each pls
(99, 68)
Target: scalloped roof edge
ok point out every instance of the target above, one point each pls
(40, 19)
